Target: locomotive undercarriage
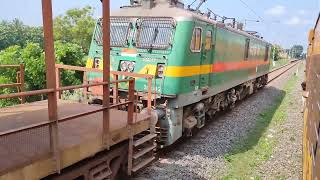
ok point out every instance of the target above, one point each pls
(196, 115)
(174, 122)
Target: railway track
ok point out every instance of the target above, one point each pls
(274, 74)
(179, 148)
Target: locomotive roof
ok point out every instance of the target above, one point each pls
(166, 10)
(160, 10)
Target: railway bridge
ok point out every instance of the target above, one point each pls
(42, 138)
(61, 139)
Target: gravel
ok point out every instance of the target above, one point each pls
(201, 157)
(286, 161)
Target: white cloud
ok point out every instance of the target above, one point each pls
(293, 21)
(276, 10)
(302, 12)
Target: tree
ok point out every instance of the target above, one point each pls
(32, 56)
(24, 44)
(11, 55)
(16, 33)
(296, 51)
(276, 50)
(76, 26)
(70, 54)
(7, 75)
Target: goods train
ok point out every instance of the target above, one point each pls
(311, 158)
(201, 66)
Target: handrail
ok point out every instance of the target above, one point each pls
(115, 74)
(10, 85)
(51, 80)
(46, 91)
(77, 68)
(90, 85)
(9, 66)
(20, 79)
(63, 119)
(27, 93)
(58, 89)
(84, 69)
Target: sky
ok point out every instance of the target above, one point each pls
(284, 22)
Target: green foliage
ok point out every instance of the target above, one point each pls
(276, 50)
(279, 63)
(33, 59)
(24, 44)
(11, 55)
(16, 33)
(32, 56)
(70, 54)
(76, 26)
(296, 51)
(7, 102)
(8, 75)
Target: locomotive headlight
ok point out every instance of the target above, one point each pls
(127, 66)
(160, 70)
(123, 66)
(131, 66)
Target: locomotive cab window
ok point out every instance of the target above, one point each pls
(208, 40)
(247, 49)
(119, 32)
(196, 40)
(266, 56)
(155, 33)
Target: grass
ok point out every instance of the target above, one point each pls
(257, 147)
(279, 63)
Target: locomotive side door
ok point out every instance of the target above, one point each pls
(206, 56)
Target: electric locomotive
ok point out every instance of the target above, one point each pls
(201, 66)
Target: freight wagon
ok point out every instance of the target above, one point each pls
(311, 155)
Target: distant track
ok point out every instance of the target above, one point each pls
(276, 73)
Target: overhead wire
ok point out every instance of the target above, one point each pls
(249, 8)
(252, 10)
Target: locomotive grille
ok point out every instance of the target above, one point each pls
(155, 33)
(151, 33)
(119, 31)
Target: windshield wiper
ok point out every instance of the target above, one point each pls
(154, 38)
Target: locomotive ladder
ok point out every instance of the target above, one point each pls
(142, 146)
(141, 149)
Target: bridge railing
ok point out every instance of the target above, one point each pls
(20, 83)
(151, 95)
(24, 137)
(10, 139)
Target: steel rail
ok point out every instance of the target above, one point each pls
(277, 76)
(276, 69)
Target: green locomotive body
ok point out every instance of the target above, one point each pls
(201, 66)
